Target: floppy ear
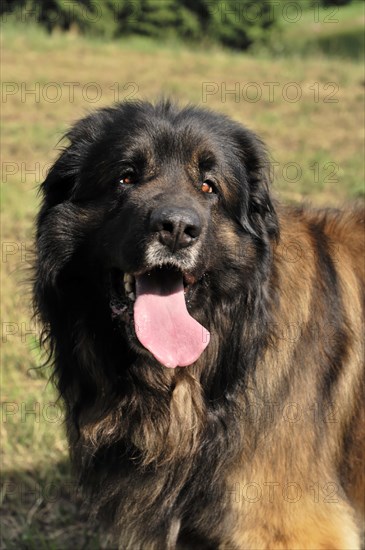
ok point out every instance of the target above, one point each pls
(64, 174)
(259, 215)
(61, 178)
(60, 227)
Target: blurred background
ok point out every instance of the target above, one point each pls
(293, 71)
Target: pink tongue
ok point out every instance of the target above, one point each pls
(162, 322)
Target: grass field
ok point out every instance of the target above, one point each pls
(309, 110)
(332, 30)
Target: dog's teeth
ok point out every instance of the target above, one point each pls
(128, 278)
(132, 296)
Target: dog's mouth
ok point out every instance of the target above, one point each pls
(162, 276)
(157, 300)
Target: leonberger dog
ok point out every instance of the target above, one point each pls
(207, 342)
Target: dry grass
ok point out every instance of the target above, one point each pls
(324, 140)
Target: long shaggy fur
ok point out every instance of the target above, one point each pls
(258, 444)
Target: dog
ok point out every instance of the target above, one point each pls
(206, 340)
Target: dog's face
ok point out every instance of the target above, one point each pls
(167, 212)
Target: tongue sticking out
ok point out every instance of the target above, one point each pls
(162, 322)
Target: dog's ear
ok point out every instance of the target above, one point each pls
(258, 212)
(64, 175)
(61, 178)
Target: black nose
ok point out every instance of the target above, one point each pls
(176, 227)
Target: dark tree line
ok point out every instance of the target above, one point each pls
(233, 23)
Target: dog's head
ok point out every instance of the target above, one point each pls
(157, 215)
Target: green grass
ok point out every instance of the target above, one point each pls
(323, 139)
(336, 31)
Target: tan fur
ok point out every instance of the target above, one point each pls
(321, 518)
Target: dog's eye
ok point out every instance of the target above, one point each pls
(128, 179)
(207, 187)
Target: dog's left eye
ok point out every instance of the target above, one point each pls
(207, 187)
